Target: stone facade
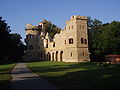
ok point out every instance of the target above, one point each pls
(70, 45)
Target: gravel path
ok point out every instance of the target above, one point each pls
(24, 79)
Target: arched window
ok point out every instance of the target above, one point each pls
(31, 47)
(72, 26)
(83, 27)
(65, 42)
(69, 27)
(54, 44)
(71, 54)
(81, 40)
(46, 43)
(71, 41)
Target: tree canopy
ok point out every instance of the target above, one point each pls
(11, 46)
(104, 38)
(52, 29)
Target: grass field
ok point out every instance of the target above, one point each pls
(5, 76)
(79, 76)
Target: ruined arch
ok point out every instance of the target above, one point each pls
(49, 56)
(53, 56)
(56, 56)
(61, 56)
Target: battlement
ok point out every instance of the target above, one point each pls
(78, 17)
(31, 27)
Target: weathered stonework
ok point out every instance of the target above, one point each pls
(71, 45)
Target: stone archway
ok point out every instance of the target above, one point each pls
(56, 55)
(61, 56)
(53, 56)
(49, 56)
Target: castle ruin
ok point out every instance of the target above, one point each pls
(70, 45)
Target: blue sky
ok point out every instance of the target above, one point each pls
(18, 13)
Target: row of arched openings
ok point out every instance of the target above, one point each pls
(55, 56)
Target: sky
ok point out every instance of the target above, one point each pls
(18, 13)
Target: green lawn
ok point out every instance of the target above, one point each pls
(5, 76)
(79, 76)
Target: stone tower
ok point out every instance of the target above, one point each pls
(77, 36)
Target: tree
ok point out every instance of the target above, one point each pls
(110, 38)
(51, 28)
(107, 40)
(16, 49)
(11, 46)
(4, 38)
(94, 29)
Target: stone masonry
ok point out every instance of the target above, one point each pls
(70, 45)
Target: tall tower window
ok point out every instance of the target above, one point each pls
(71, 41)
(81, 40)
(65, 42)
(83, 27)
(85, 41)
(72, 26)
(69, 27)
(71, 54)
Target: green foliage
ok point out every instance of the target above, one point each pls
(16, 47)
(11, 47)
(51, 28)
(79, 76)
(4, 37)
(105, 39)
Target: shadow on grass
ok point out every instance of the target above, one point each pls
(62, 67)
(88, 80)
(91, 77)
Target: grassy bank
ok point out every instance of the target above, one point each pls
(5, 76)
(79, 76)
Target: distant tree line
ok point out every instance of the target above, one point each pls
(11, 46)
(104, 39)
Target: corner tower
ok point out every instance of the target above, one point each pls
(32, 44)
(77, 39)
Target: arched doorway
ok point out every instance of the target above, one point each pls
(61, 56)
(56, 55)
(48, 56)
(53, 56)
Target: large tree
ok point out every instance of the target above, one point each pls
(52, 29)
(109, 39)
(11, 46)
(17, 48)
(93, 32)
(106, 40)
(4, 38)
